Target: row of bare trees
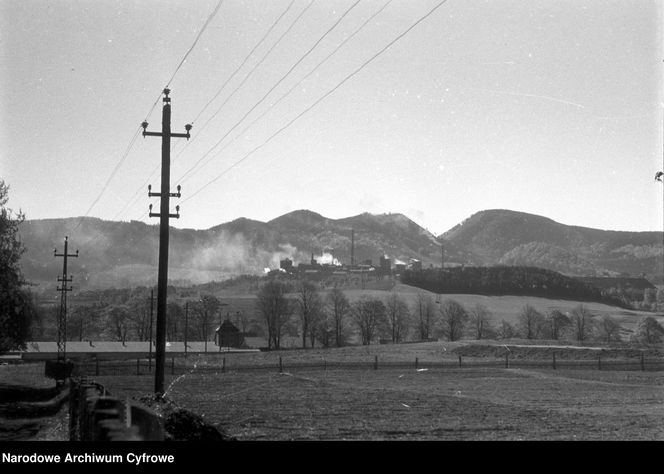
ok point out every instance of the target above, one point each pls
(329, 319)
(134, 320)
(321, 319)
(579, 324)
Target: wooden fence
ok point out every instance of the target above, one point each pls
(145, 367)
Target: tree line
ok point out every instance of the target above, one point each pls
(508, 280)
(330, 320)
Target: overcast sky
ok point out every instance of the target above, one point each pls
(548, 107)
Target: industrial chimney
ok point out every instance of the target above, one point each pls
(352, 247)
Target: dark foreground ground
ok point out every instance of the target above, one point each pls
(432, 404)
(31, 408)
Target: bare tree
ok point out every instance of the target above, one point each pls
(453, 318)
(480, 320)
(118, 321)
(648, 330)
(324, 330)
(582, 323)
(174, 323)
(242, 321)
(309, 308)
(139, 315)
(530, 322)
(609, 329)
(425, 311)
(275, 308)
(369, 316)
(204, 312)
(554, 323)
(339, 308)
(81, 320)
(506, 330)
(398, 317)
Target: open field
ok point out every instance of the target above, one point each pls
(507, 308)
(441, 354)
(405, 404)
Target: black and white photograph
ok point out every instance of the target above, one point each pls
(328, 220)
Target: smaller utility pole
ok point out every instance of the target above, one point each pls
(186, 326)
(62, 315)
(442, 269)
(352, 247)
(150, 339)
(219, 331)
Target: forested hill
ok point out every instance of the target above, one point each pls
(517, 238)
(503, 280)
(124, 254)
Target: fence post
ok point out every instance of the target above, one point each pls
(459, 361)
(223, 365)
(416, 363)
(281, 365)
(554, 361)
(507, 360)
(138, 361)
(73, 412)
(376, 363)
(324, 364)
(599, 362)
(97, 366)
(643, 364)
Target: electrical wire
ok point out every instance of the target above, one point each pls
(237, 69)
(246, 78)
(133, 199)
(283, 77)
(323, 97)
(200, 33)
(115, 170)
(314, 69)
(133, 139)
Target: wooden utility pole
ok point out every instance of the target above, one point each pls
(62, 315)
(186, 326)
(164, 215)
(150, 338)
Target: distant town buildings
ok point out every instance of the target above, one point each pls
(328, 264)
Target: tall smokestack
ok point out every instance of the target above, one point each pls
(352, 246)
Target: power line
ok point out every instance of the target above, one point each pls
(136, 193)
(283, 77)
(244, 61)
(315, 68)
(108, 181)
(200, 129)
(133, 139)
(133, 198)
(323, 97)
(193, 45)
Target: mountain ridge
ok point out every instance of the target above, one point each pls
(126, 253)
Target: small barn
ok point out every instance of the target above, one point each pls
(228, 335)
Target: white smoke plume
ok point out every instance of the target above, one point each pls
(234, 254)
(328, 259)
